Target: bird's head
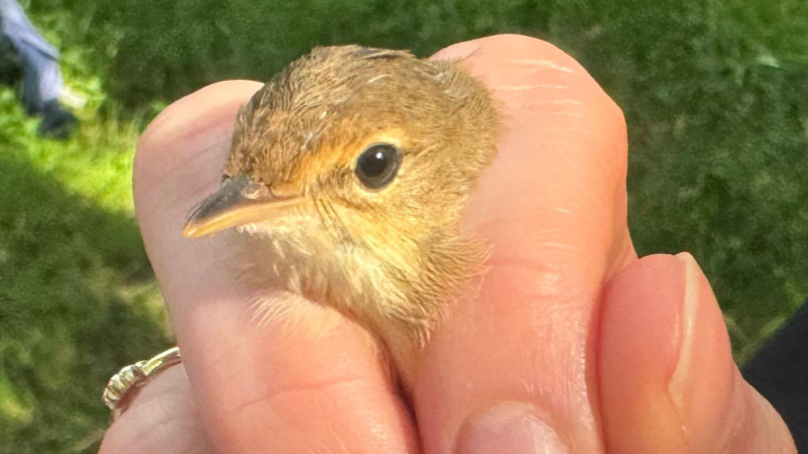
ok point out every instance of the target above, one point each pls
(355, 164)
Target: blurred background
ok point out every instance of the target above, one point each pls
(714, 93)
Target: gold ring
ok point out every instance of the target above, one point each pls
(124, 386)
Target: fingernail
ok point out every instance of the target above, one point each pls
(508, 428)
(458, 51)
(702, 381)
(687, 324)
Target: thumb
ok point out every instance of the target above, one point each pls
(667, 378)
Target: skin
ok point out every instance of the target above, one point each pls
(572, 343)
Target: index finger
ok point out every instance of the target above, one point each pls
(258, 388)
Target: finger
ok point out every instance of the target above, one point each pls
(668, 381)
(513, 366)
(163, 418)
(258, 388)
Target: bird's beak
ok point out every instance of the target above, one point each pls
(240, 201)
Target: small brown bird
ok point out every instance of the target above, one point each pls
(350, 170)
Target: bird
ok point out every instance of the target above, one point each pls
(349, 171)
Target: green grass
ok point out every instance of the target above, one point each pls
(76, 291)
(714, 93)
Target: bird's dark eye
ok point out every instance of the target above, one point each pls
(378, 165)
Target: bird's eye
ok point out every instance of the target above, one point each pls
(378, 165)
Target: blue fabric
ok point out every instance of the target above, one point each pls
(40, 60)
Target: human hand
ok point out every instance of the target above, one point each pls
(571, 345)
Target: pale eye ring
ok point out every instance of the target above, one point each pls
(378, 165)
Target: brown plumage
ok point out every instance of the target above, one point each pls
(350, 169)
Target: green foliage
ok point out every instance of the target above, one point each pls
(713, 92)
(155, 48)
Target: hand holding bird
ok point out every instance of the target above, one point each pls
(569, 344)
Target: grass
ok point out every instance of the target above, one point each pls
(76, 292)
(713, 92)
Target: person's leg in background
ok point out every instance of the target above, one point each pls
(42, 78)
